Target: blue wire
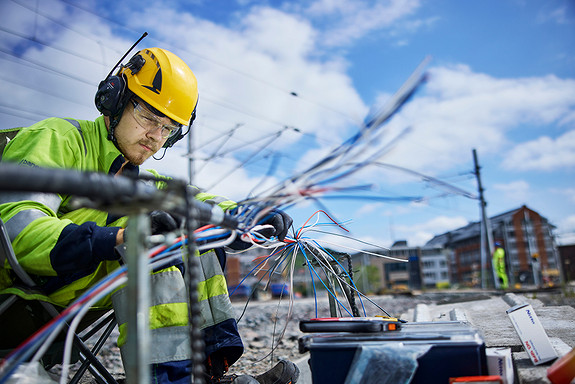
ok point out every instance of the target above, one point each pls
(346, 273)
(312, 279)
(327, 289)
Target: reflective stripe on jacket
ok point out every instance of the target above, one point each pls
(66, 251)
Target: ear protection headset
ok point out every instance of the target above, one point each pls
(113, 94)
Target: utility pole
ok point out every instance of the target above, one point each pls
(190, 157)
(486, 234)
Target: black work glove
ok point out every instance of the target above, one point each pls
(280, 221)
(162, 222)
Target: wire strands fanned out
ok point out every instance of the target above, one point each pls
(325, 269)
(346, 160)
(363, 149)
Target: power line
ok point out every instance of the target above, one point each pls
(47, 67)
(36, 11)
(45, 44)
(88, 36)
(9, 110)
(291, 93)
(434, 181)
(20, 84)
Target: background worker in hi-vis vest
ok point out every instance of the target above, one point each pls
(499, 265)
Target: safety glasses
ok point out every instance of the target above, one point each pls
(150, 122)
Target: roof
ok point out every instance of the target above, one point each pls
(473, 229)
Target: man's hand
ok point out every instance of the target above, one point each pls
(275, 223)
(280, 221)
(120, 236)
(162, 222)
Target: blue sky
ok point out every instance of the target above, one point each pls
(501, 80)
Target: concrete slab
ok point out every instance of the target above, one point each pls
(526, 372)
(558, 322)
(490, 317)
(488, 314)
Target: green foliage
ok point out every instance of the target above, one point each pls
(442, 285)
(367, 279)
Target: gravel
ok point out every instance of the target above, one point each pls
(267, 323)
(264, 324)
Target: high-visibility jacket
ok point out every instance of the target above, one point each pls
(499, 264)
(67, 250)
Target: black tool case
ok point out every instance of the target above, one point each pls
(444, 350)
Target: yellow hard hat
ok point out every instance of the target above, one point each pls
(164, 81)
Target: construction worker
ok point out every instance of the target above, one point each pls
(146, 106)
(499, 265)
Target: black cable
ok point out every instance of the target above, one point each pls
(108, 192)
(51, 69)
(351, 295)
(288, 92)
(193, 276)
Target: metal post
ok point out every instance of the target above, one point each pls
(485, 228)
(332, 304)
(532, 249)
(190, 157)
(138, 289)
(192, 277)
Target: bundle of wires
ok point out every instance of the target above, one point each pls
(281, 261)
(33, 348)
(362, 150)
(319, 179)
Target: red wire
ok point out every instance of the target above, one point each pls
(318, 211)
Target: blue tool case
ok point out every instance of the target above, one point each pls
(426, 352)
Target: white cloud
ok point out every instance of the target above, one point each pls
(347, 21)
(569, 193)
(516, 191)
(559, 15)
(247, 73)
(368, 208)
(458, 110)
(419, 234)
(568, 223)
(566, 234)
(543, 154)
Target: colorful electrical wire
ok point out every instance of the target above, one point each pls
(360, 151)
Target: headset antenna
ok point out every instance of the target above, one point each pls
(126, 54)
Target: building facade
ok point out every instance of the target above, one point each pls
(434, 266)
(527, 238)
(396, 275)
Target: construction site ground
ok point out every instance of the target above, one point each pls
(486, 311)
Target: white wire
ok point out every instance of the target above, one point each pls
(74, 325)
(47, 342)
(219, 244)
(362, 251)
